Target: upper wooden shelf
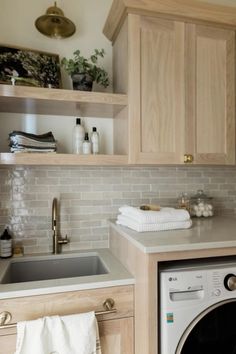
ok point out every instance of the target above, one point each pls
(37, 100)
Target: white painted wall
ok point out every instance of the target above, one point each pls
(17, 26)
(17, 29)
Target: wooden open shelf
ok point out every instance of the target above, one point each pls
(37, 100)
(61, 159)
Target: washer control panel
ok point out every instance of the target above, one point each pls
(198, 282)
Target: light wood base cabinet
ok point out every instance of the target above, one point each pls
(145, 268)
(115, 330)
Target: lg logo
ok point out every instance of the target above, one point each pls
(173, 279)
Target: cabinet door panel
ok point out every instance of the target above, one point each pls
(161, 69)
(213, 134)
(8, 344)
(116, 336)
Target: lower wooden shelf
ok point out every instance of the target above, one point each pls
(61, 159)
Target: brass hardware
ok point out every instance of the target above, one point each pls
(188, 158)
(55, 24)
(108, 305)
(5, 318)
(57, 240)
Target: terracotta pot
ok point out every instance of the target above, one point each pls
(82, 82)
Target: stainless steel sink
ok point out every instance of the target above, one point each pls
(53, 267)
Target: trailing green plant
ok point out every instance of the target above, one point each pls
(81, 65)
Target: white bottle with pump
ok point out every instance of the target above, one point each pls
(78, 137)
(86, 145)
(95, 141)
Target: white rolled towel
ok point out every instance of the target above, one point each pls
(154, 217)
(172, 225)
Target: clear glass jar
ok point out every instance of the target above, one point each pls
(184, 201)
(201, 205)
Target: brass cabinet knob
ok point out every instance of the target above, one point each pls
(5, 317)
(188, 158)
(108, 304)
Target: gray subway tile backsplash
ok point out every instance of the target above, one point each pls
(89, 196)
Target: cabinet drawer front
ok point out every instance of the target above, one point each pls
(33, 307)
(116, 337)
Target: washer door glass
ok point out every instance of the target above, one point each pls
(212, 332)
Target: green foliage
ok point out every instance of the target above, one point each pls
(81, 65)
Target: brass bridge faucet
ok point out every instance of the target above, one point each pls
(57, 240)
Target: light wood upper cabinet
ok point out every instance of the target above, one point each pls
(210, 94)
(181, 90)
(158, 119)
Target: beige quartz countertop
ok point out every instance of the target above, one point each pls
(117, 276)
(215, 232)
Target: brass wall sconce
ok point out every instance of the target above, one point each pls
(55, 24)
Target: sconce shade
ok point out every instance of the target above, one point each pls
(55, 24)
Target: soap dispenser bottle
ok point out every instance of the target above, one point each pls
(78, 137)
(86, 145)
(6, 244)
(95, 141)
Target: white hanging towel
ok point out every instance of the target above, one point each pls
(73, 334)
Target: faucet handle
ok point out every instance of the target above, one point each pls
(64, 241)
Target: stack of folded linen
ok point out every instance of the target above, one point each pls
(142, 220)
(26, 142)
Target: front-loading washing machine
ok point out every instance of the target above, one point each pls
(198, 308)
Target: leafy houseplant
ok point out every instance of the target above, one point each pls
(85, 71)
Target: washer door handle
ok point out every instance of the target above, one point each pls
(230, 282)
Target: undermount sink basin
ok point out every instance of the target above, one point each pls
(53, 267)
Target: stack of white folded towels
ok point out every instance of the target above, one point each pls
(149, 220)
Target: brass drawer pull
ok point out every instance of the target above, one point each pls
(108, 305)
(188, 158)
(5, 318)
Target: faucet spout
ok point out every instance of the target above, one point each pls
(54, 214)
(57, 241)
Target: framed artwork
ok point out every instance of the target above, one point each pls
(28, 67)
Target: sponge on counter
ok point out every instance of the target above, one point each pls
(18, 251)
(152, 207)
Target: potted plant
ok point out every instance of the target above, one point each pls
(85, 71)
